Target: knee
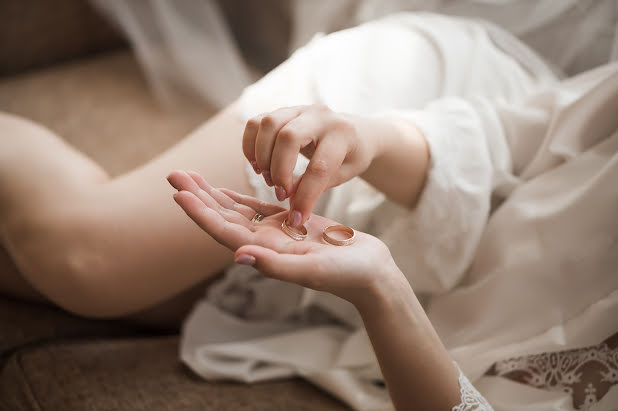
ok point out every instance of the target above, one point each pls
(60, 260)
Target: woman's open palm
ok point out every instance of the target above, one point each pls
(227, 217)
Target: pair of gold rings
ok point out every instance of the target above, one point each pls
(301, 233)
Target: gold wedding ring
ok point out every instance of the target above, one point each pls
(257, 218)
(339, 227)
(298, 236)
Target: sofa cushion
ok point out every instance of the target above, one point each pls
(137, 374)
(23, 323)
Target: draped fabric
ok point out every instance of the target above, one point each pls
(513, 245)
(572, 35)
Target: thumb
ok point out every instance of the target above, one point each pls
(293, 268)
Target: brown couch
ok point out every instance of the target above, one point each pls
(62, 66)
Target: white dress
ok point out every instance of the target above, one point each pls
(573, 35)
(513, 244)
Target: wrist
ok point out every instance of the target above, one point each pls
(392, 301)
(400, 153)
(388, 287)
(379, 134)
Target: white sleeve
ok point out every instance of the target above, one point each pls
(480, 151)
(436, 242)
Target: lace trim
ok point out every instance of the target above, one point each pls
(471, 399)
(586, 373)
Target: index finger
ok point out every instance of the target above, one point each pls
(326, 160)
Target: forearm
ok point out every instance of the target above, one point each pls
(401, 163)
(417, 369)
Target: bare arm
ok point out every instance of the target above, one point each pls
(418, 371)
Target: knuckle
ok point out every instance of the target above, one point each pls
(252, 124)
(318, 168)
(287, 134)
(343, 125)
(236, 206)
(268, 122)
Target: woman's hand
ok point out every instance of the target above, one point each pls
(415, 365)
(389, 153)
(350, 272)
(335, 144)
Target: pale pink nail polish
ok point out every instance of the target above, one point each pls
(280, 193)
(245, 259)
(295, 218)
(267, 178)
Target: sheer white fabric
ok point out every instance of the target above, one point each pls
(185, 46)
(573, 35)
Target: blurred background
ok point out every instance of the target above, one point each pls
(68, 65)
(204, 52)
(124, 80)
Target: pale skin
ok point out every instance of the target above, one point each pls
(103, 247)
(115, 248)
(418, 370)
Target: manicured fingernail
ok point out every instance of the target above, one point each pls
(245, 259)
(267, 178)
(295, 218)
(280, 193)
(255, 167)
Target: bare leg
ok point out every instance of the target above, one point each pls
(102, 247)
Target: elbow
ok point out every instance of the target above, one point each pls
(80, 281)
(91, 289)
(68, 268)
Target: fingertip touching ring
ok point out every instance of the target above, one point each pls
(299, 235)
